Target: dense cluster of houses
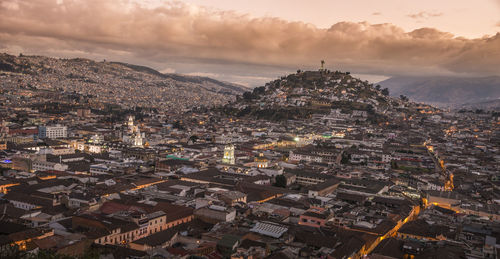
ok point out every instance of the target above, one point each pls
(424, 184)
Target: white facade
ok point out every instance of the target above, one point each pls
(99, 169)
(228, 157)
(47, 166)
(133, 134)
(294, 157)
(23, 205)
(53, 132)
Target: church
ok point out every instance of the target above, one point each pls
(132, 134)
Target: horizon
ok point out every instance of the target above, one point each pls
(373, 79)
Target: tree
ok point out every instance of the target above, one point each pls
(385, 91)
(178, 125)
(345, 158)
(259, 90)
(248, 96)
(193, 138)
(394, 165)
(377, 87)
(280, 181)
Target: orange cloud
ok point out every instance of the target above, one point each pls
(185, 33)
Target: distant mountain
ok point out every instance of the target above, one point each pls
(115, 82)
(493, 105)
(445, 91)
(307, 93)
(212, 84)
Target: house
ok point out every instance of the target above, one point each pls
(228, 244)
(233, 197)
(315, 217)
(162, 239)
(215, 214)
(324, 188)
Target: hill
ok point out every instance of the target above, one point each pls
(445, 91)
(308, 93)
(114, 82)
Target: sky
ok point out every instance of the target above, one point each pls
(252, 42)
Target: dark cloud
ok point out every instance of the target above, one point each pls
(191, 39)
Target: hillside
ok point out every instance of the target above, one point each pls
(309, 93)
(445, 91)
(114, 82)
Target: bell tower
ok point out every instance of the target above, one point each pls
(228, 157)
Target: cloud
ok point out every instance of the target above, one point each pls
(377, 13)
(167, 70)
(190, 38)
(424, 15)
(498, 24)
(204, 74)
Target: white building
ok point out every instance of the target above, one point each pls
(228, 157)
(57, 131)
(133, 134)
(48, 166)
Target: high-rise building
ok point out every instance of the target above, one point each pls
(228, 157)
(56, 131)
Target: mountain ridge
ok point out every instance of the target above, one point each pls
(445, 90)
(491, 105)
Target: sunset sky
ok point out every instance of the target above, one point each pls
(251, 42)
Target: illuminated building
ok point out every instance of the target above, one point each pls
(261, 161)
(133, 135)
(228, 157)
